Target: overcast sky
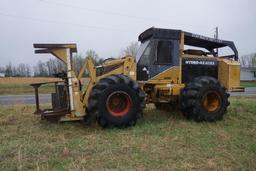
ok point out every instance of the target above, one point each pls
(107, 26)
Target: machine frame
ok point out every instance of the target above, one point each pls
(163, 87)
(78, 100)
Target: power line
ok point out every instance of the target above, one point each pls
(103, 11)
(59, 22)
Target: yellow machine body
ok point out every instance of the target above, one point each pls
(78, 99)
(165, 87)
(229, 74)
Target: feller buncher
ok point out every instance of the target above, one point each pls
(171, 67)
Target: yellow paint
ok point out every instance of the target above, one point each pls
(164, 87)
(229, 73)
(171, 75)
(126, 65)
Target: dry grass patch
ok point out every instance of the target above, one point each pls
(26, 80)
(21, 85)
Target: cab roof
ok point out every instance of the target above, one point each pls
(190, 39)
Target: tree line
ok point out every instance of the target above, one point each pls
(54, 66)
(49, 68)
(22, 70)
(248, 60)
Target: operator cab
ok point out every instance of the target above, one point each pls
(157, 52)
(160, 50)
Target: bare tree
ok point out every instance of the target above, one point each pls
(95, 57)
(55, 66)
(243, 61)
(78, 62)
(28, 71)
(9, 70)
(21, 70)
(2, 69)
(248, 60)
(254, 60)
(60, 66)
(51, 67)
(41, 69)
(131, 49)
(92, 54)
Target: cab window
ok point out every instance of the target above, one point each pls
(164, 52)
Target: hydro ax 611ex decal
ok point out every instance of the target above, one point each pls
(191, 61)
(192, 67)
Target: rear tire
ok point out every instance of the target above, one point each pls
(116, 101)
(204, 99)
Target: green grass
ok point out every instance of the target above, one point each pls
(248, 83)
(160, 141)
(18, 89)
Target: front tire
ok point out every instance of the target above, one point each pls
(204, 99)
(116, 101)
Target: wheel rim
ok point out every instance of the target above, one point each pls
(119, 103)
(211, 101)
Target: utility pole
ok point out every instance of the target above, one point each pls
(216, 36)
